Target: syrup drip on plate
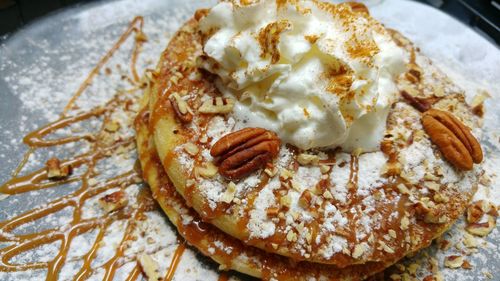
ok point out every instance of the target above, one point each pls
(175, 261)
(102, 145)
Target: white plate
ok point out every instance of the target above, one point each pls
(42, 65)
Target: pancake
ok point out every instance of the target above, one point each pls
(224, 249)
(319, 206)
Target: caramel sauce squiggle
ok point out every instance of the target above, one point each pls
(91, 186)
(95, 71)
(134, 273)
(175, 261)
(137, 47)
(35, 138)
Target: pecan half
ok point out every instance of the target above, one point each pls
(181, 108)
(453, 138)
(244, 151)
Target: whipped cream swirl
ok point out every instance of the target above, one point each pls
(319, 75)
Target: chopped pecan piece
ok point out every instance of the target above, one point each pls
(475, 218)
(229, 194)
(208, 170)
(430, 212)
(191, 148)
(305, 199)
(111, 126)
(477, 103)
(453, 261)
(272, 211)
(243, 152)
(421, 105)
(482, 229)
(286, 201)
(453, 138)
(466, 265)
(55, 171)
(478, 209)
(414, 73)
(427, 278)
(113, 201)
(181, 108)
(308, 159)
(217, 105)
(359, 249)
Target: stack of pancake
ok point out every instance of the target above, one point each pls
(258, 205)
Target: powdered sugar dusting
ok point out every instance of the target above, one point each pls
(370, 166)
(259, 224)
(339, 177)
(43, 85)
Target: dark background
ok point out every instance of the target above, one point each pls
(482, 15)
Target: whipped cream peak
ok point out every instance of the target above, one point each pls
(319, 75)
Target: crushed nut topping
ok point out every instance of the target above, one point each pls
(482, 229)
(217, 105)
(113, 201)
(305, 199)
(478, 101)
(414, 73)
(181, 108)
(286, 174)
(421, 105)
(55, 171)
(478, 209)
(453, 261)
(430, 212)
(111, 126)
(228, 195)
(307, 159)
(191, 148)
(208, 170)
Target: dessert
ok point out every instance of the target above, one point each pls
(226, 250)
(309, 131)
(84, 212)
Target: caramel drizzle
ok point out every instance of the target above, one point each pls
(175, 261)
(99, 150)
